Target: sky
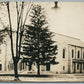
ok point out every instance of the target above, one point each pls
(67, 19)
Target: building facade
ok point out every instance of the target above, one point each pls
(70, 56)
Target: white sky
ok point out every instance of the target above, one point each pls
(67, 19)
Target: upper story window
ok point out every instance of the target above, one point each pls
(72, 53)
(78, 54)
(63, 53)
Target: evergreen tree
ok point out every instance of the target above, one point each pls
(38, 45)
(2, 35)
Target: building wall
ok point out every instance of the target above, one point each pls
(70, 57)
(76, 59)
(5, 55)
(2, 57)
(62, 67)
(65, 64)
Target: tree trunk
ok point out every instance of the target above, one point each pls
(38, 73)
(16, 71)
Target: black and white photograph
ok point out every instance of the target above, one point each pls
(41, 41)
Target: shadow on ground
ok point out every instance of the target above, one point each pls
(26, 75)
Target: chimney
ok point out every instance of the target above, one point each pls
(56, 2)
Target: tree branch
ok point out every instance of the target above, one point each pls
(10, 31)
(17, 29)
(21, 32)
(29, 7)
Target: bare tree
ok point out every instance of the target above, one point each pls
(21, 20)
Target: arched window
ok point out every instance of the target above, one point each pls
(63, 53)
(78, 54)
(72, 53)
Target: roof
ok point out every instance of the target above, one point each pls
(68, 40)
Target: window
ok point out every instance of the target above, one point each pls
(63, 67)
(0, 67)
(72, 53)
(78, 54)
(63, 53)
(77, 65)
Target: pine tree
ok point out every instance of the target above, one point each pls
(38, 45)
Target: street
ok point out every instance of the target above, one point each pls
(44, 77)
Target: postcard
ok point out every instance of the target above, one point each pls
(41, 41)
